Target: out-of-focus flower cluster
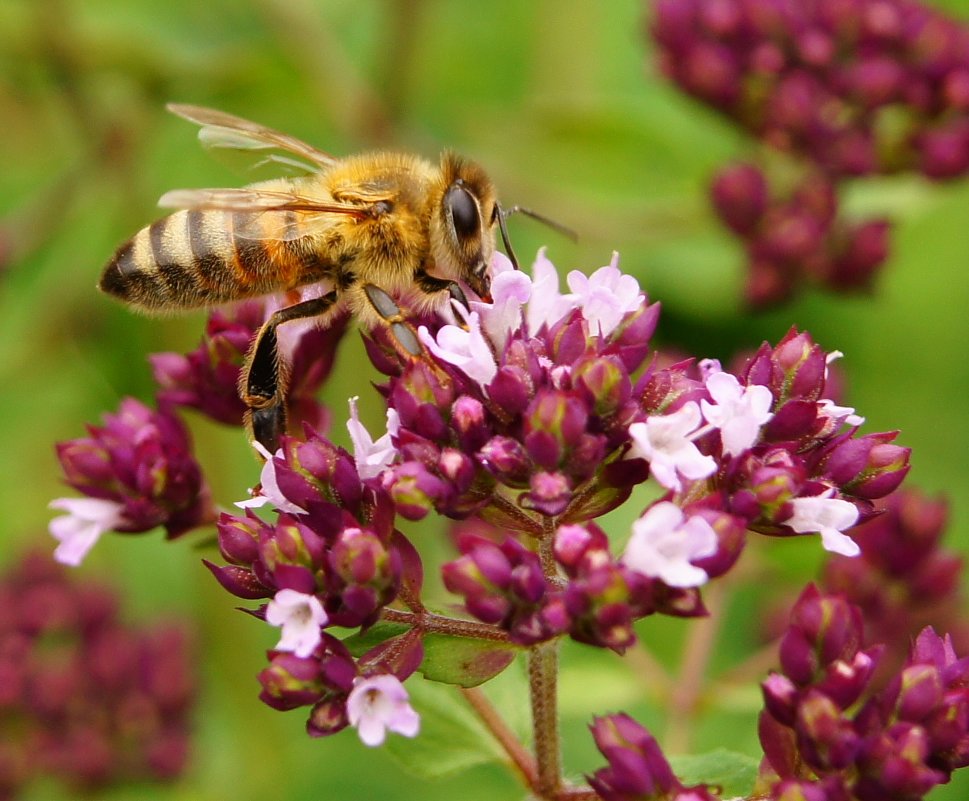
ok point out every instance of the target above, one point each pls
(84, 697)
(207, 379)
(903, 579)
(852, 87)
(827, 736)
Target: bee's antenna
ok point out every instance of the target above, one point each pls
(555, 226)
(509, 250)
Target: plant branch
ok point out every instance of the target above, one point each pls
(689, 687)
(523, 761)
(440, 624)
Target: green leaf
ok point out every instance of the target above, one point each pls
(359, 644)
(447, 659)
(451, 738)
(733, 773)
(462, 661)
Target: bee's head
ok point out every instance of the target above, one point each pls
(463, 224)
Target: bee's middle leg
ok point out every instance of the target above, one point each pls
(262, 384)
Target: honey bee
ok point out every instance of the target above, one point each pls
(369, 228)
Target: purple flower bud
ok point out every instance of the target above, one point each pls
(867, 467)
(470, 421)
(507, 460)
(291, 681)
(795, 368)
(944, 152)
(739, 193)
(637, 768)
(823, 628)
(414, 489)
(710, 71)
(826, 738)
(549, 493)
(604, 383)
(875, 80)
(864, 253)
(781, 696)
(207, 378)
(553, 422)
(674, 22)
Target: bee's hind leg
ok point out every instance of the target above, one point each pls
(262, 384)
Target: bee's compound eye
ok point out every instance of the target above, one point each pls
(464, 211)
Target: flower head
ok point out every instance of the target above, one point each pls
(828, 517)
(738, 411)
(86, 520)
(378, 704)
(300, 615)
(664, 441)
(372, 456)
(606, 296)
(665, 542)
(467, 349)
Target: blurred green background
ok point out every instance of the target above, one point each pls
(561, 103)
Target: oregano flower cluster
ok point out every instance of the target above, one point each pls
(848, 88)
(525, 421)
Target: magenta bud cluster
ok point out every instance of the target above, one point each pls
(850, 87)
(637, 770)
(85, 697)
(207, 378)
(828, 733)
(335, 541)
(904, 577)
(141, 461)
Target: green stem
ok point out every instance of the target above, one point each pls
(542, 680)
(523, 761)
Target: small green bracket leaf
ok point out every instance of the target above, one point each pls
(734, 773)
(462, 661)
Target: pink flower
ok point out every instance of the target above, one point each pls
(605, 296)
(300, 615)
(377, 704)
(665, 542)
(510, 291)
(269, 491)
(664, 441)
(468, 350)
(738, 411)
(547, 304)
(829, 517)
(372, 456)
(86, 520)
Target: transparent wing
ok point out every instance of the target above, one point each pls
(261, 214)
(222, 130)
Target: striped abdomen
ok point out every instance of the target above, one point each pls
(195, 258)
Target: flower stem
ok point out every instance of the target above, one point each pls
(689, 687)
(428, 621)
(542, 678)
(520, 758)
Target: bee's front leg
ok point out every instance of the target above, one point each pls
(262, 383)
(431, 285)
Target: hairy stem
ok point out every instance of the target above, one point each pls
(523, 761)
(542, 678)
(428, 621)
